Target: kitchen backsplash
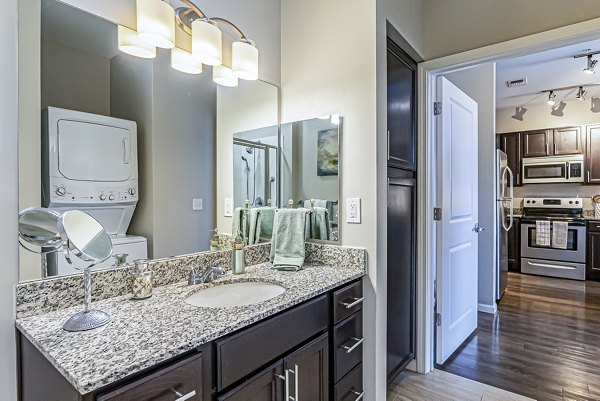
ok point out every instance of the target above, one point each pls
(557, 190)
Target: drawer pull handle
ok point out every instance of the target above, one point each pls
(286, 380)
(295, 373)
(183, 397)
(355, 301)
(360, 395)
(359, 341)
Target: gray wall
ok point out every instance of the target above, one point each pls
(480, 84)
(73, 79)
(175, 113)
(8, 196)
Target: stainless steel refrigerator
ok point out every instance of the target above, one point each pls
(504, 220)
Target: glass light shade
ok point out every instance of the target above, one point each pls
(244, 60)
(130, 43)
(207, 43)
(224, 76)
(156, 23)
(183, 61)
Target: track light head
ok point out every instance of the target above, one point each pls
(591, 65)
(581, 93)
(552, 98)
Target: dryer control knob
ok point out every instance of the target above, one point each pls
(102, 197)
(61, 191)
(111, 197)
(131, 191)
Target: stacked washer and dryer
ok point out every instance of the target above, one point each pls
(89, 163)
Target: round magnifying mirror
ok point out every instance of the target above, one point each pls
(38, 227)
(86, 237)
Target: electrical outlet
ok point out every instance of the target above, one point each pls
(228, 207)
(353, 210)
(197, 204)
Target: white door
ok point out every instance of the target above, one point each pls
(457, 230)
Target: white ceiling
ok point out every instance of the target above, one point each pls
(547, 70)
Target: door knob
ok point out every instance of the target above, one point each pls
(478, 228)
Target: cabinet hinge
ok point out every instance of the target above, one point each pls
(438, 319)
(437, 108)
(437, 213)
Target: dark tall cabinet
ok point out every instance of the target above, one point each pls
(401, 208)
(511, 144)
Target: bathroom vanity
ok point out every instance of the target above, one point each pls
(304, 344)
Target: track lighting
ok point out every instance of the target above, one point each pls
(581, 93)
(591, 65)
(551, 98)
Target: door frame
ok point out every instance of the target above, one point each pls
(427, 72)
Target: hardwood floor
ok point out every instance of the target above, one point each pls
(443, 386)
(543, 343)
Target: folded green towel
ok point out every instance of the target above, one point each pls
(240, 223)
(253, 226)
(265, 224)
(290, 227)
(319, 223)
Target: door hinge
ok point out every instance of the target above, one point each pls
(437, 320)
(437, 213)
(437, 108)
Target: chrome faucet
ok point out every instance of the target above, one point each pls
(208, 275)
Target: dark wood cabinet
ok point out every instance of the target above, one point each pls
(514, 246)
(537, 143)
(512, 145)
(265, 386)
(592, 156)
(401, 109)
(567, 141)
(592, 265)
(401, 274)
(308, 371)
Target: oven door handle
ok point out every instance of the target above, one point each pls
(552, 266)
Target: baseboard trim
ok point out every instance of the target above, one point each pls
(485, 308)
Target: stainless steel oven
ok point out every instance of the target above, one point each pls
(553, 169)
(544, 259)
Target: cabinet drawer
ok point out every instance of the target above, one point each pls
(248, 350)
(167, 384)
(350, 388)
(346, 301)
(347, 340)
(594, 226)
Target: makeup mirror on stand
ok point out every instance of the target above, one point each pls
(39, 229)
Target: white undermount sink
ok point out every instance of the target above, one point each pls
(235, 294)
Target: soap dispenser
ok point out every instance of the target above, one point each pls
(238, 264)
(215, 240)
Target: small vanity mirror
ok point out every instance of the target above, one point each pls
(39, 227)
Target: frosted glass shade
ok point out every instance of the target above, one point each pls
(130, 43)
(244, 60)
(207, 43)
(224, 76)
(183, 61)
(156, 23)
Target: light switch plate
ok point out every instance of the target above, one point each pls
(228, 207)
(197, 204)
(353, 210)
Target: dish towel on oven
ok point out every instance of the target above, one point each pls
(560, 231)
(542, 233)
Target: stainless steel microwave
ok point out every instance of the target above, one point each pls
(553, 169)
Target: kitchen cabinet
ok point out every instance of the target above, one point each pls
(514, 246)
(401, 109)
(537, 143)
(592, 156)
(512, 144)
(592, 264)
(567, 141)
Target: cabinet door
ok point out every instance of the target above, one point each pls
(401, 268)
(567, 141)
(511, 144)
(265, 386)
(592, 163)
(308, 371)
(537, 143)
(401, 109)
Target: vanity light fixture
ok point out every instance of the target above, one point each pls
(591, 65)
(581, 93)
(224, 76)
(183, 61)
(207, 42)
(244, 59)
(551, 98)
(156, 23)
(130, 43)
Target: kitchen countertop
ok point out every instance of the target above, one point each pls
(144, 333)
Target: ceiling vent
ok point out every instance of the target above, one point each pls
(516, 82)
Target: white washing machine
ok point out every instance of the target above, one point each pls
(89, 163)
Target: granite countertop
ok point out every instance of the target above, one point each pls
(144, 333)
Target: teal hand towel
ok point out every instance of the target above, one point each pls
(289, 233)
(319, 223)
(240, 223)
(265, 224)
(253, 226)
